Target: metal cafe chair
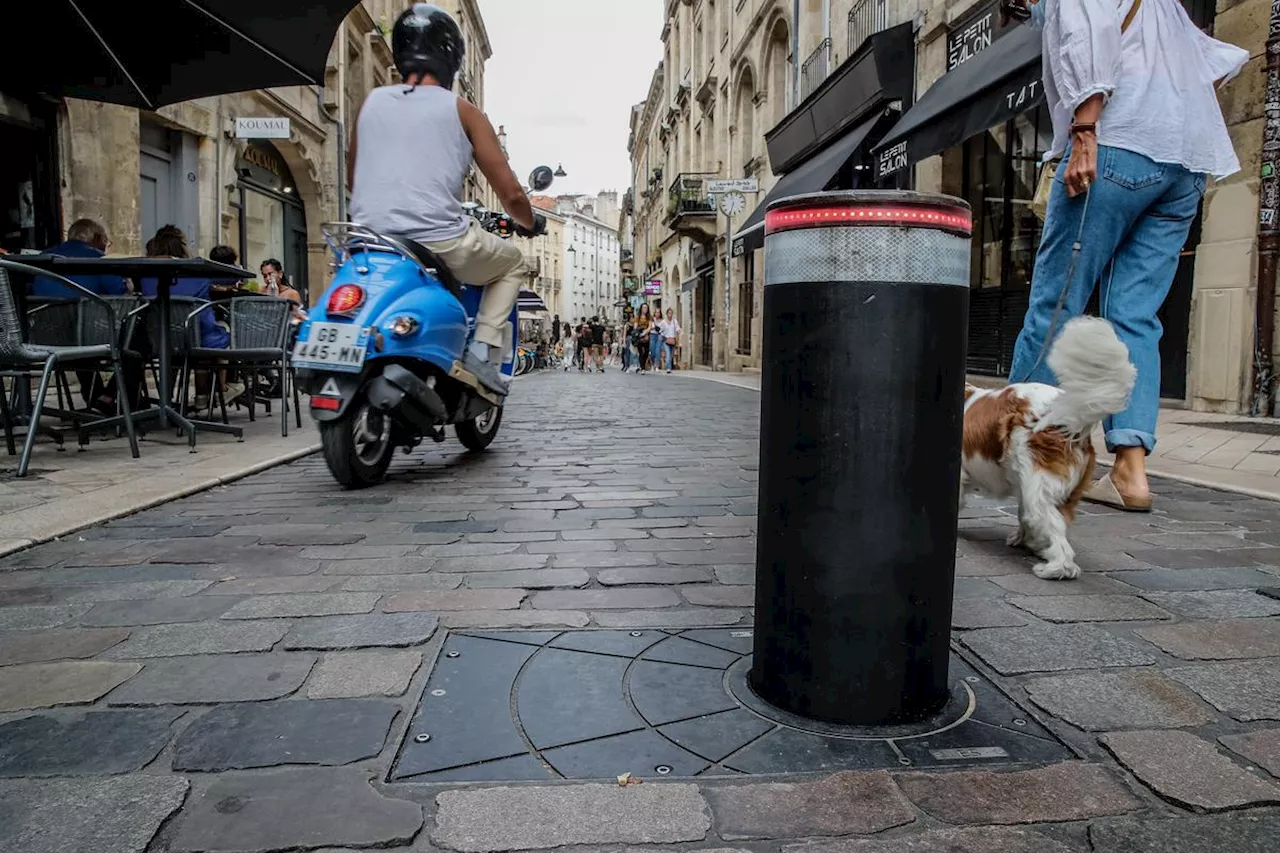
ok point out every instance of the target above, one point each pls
(21, 359)
(259, 338)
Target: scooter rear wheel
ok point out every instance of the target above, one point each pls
(357, 446)
(479, 432)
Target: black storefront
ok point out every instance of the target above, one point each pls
(30, 201)
(988, 120)
(825, 143)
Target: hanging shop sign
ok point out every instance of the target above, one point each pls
(262, 127)
(653, 288)
(972, 36)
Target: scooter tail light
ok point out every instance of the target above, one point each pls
(345, 300)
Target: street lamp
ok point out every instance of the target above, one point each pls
(560, 172)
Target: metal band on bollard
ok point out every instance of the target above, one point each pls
(866, 303)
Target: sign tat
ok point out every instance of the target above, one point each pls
(262, 127)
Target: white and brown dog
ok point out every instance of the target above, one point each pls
(1034, 442)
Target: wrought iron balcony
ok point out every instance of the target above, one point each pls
(815, 69)
(688, 195)
(866, 18)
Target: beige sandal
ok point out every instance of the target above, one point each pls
(1104, 492)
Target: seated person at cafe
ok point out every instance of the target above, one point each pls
(170, 242)
(86, 238)
(225, 255)
(277, 285)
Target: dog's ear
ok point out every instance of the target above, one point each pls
(969, 391)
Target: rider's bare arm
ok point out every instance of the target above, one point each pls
(492, 161)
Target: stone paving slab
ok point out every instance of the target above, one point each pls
(270, 734)
(1176, 580)
(1259, 747)
(159, 611)
(1247, 832)
(36, 617)
(93, 743)
(987, 839)
(843, 804)
(242, 813)
(120, 814)
(216, 678)
(1217, 604)
(1090, 608)
(64, 644)
(341, 675)
(1105, 701)
(1221, 639)
(45, 685)
(504, 819)
(199, 638)
(1053, 648)
(1061, 792)
(1247, 690)
(1189, 771)
(336, 633)
(303, 604)
(463, 599)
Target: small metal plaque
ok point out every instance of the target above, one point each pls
(968, 753)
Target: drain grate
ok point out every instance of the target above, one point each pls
(541, 705)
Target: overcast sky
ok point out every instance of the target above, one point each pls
(562, 80)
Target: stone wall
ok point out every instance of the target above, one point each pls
(1223, 302)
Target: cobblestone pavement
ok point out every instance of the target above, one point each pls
(235, 671)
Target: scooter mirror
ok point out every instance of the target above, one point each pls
(541, 178)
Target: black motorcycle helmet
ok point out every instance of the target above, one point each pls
(426, 40)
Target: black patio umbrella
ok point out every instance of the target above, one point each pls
(149, 53)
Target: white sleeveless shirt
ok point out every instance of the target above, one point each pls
(412, 158)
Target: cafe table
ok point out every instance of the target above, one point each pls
(166, 271)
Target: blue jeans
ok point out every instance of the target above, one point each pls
(655, 351)
(670, 350)
(1139, 213)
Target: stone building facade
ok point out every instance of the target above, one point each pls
(185, 165)
(544, 262)
(725, 77)
(744, 91)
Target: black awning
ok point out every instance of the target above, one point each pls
(811, 177)
(985, 91)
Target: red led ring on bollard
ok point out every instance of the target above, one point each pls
(949, 219)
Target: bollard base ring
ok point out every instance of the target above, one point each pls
(960, 707)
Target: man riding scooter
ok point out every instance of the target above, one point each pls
(417, 141)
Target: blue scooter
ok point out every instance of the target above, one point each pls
(381, 353)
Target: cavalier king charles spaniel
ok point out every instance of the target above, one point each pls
(1034, 442)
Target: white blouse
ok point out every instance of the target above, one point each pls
(1158, 79)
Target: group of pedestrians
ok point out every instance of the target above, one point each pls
(655, 340)
(584, 345)
(646, 343)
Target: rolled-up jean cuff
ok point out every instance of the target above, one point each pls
(1130, 438)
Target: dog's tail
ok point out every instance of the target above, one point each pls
(1094, 373)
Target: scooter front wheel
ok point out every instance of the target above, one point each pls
(357, 446)
(479, 432)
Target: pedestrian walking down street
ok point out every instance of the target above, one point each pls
(670, 338)
(640, 337)
(627, 330)
(584, 344)
(655, 343)
(570, 346)
(1137, 123)
(597, 343)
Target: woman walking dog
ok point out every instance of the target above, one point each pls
(1131, 90)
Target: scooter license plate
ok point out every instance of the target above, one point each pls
(333, 346)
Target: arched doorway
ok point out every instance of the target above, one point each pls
(272, 220)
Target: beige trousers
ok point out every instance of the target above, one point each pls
(486, 260)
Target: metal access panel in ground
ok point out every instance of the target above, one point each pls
(504, 706)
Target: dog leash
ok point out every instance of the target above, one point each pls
(1066, 288)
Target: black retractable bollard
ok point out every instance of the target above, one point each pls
(866, 302)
